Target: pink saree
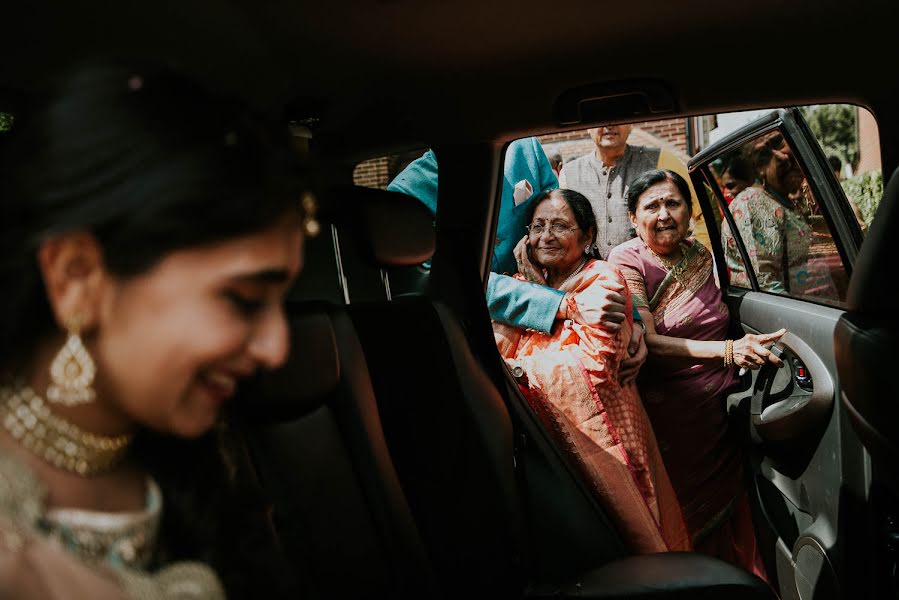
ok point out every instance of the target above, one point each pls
(685, 403)
(572, 385)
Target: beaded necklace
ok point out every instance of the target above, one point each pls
(676, 269)
(573, 273)
(64, 445)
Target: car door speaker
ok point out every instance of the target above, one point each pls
(812, 571)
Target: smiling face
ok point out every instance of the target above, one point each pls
(172, 343)
(662, 218)
(557, 243)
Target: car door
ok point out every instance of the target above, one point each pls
(784, 249)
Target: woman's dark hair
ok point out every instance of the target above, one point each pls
(655, 177)
(146, 162)
(576, 201)
(149, 164)
(739, 167)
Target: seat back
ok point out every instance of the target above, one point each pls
(448, 427)
(314, 437)
(866, 337)
(451, 437)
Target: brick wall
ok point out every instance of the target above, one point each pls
(374, 173)
(673, 131)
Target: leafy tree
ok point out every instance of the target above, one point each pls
(835, 127)
(5, 121)
(867, 191)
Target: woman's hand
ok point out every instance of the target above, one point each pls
(750, 350)
(599, 306)
(525, 266)
(637, 351)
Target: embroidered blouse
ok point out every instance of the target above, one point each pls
(118, 544)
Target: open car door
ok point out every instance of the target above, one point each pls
(784, 249)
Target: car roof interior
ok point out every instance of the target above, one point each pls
(395, 74)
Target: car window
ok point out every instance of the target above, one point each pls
(413, 173)
(810, 265)
(780, 224)
(849, 137)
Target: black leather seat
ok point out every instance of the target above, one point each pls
(867, 337)
(314, 438)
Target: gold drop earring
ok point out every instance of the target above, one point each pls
(72, 370)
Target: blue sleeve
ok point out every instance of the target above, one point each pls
(522, 304)
(419, 180)
(548, 179)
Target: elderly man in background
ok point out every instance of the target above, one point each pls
(605, 174)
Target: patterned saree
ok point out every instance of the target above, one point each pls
(570, 378)
(685, 399)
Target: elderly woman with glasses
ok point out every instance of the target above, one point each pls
(570, 377)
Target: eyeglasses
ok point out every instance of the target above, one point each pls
(764, 152)
(557, 229)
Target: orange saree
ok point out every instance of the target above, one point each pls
(572, 384)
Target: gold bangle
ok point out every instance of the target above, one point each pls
(729, 353)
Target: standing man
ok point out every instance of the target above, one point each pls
(605, 175)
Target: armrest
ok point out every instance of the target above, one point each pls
(668, 576)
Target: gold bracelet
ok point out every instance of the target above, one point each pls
(729, 353)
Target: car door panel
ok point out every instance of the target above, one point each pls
(808, 466)
(797, 469)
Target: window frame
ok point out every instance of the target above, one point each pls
(844, 229)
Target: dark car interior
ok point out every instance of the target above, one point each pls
(397, 453)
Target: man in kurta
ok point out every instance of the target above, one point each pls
(605, 174)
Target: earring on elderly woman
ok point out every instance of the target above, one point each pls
(72, 370)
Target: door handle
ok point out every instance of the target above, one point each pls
(776, 418)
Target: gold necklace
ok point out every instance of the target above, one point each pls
(573, 273)
(676, 269)
(64, 445)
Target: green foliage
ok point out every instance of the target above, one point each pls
(835, 127)
(866, 190)
(6, 120)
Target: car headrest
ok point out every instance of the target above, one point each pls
(391, 229)
(876, 270)
(305, 381)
